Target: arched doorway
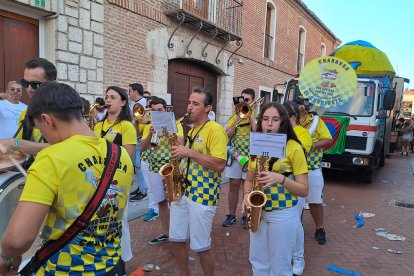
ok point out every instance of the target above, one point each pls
(183, 76)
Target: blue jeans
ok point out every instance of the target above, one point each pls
(137, 162)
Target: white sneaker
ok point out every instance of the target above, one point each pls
(298, 266)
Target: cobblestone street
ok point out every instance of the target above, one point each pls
(346, 247)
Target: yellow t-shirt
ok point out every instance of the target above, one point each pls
(141, 127)
(145, 156)
(162, 154)
(304, 137)
(241, 138)
(204, 184)
(321, 132)
(278, 197)
(36, 135)
(64, 176)
(120, 133)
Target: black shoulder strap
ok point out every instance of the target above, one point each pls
(51, 247)
(19, 129)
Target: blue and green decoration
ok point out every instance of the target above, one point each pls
(337, 126)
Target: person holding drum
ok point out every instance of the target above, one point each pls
(28, 138)
(60, 183)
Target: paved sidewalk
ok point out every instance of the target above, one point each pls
(347, 247)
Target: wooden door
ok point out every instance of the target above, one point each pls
(19, 42)
(183, 77)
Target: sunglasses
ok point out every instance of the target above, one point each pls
(15, 90)
(33, 84)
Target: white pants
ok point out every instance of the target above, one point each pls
(146, 172)
(192, 221)
(300, 235)
(315, 179)
(157, 186)
(126, 251)
(235, 171)
(271, 247)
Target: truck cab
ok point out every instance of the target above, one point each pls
(364, 142)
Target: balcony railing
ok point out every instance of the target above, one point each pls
(224, 14)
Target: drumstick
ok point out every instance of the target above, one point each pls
(18, 166)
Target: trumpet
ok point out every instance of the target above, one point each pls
(155, 140)
(90, 117)
(139, 111)
(245, 110)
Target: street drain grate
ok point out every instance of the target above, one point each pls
(402, 204)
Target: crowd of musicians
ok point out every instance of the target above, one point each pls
(81, 159)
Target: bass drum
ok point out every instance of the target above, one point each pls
(11, 187)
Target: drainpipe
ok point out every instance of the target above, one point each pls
(55, 15)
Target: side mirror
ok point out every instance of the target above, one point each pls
(389, 99)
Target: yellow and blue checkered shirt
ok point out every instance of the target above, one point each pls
(204, 184)
(162, 154)
(36, 135)
(278, 197)
(145, 156)
(65, 176)
(241, 138)
(315, 155)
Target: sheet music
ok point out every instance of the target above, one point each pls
(161, 120)
(268, 144)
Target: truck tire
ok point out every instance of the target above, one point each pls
(382, 158)
(377, 153)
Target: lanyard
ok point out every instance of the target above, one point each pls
(103, 133)
(191, 140)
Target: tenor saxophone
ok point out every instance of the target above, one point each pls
(173, 178)
(257, 198)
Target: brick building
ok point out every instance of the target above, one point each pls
(171, 46)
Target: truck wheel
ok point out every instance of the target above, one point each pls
(382, 158)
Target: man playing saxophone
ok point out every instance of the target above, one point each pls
(191, 217)
(159, 156)
(272, 245)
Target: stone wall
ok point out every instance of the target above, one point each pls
(78, 51)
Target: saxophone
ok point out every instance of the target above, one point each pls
(257, 198)
(173, 179)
